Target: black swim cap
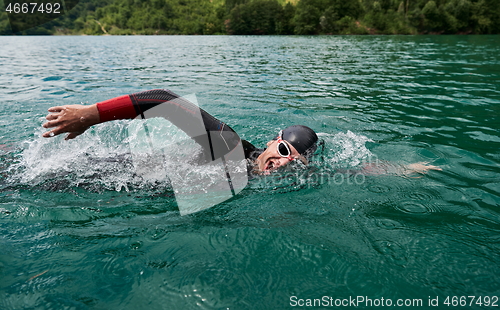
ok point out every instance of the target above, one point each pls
(302, 138)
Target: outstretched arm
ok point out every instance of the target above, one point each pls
(75, 119)
(383, 167)
(215, 137)
(421, 167)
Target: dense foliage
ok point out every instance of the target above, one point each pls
(273, 17)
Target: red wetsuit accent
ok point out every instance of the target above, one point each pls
(116, 108)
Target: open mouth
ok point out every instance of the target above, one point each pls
(269, 165)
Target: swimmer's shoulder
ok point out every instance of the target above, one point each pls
(251, 152)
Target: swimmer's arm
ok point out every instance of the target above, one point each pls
(76, 119)
(421, 167)
(380, 168)
(73, 119)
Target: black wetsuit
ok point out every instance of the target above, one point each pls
(216, 138)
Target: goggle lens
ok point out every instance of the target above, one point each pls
(283, 149)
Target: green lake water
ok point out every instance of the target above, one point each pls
(80, 230)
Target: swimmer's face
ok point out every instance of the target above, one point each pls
(271, 160)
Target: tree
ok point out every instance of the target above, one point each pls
(286, 25)
(432, 17)
(306, 19)
(328, 21)
(256, 17)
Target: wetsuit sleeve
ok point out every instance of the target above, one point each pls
(214, 136)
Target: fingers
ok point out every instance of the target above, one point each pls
(48, 134)
(50, 124)
(55, 132)
(63, 120)
(51, 116)
(425, 166)
(422, 168)
(56, 109)
(55, 112)
(430, 167)
(51, 133)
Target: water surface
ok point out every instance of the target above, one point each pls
(79, 230)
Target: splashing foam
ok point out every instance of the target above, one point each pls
(346, 149)
(101, 158)
(341, 150)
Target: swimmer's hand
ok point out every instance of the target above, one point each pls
(383, 167)
(73, 119)
(421, 167)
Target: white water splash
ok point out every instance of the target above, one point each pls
(346, 149)
(98, 159)
(163, 159)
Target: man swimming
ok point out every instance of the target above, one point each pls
(216, 138)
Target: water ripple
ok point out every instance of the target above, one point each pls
(111, 240)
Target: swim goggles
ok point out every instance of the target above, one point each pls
(283, 148)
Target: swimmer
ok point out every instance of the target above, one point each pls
(295, 142)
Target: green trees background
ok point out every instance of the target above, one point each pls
(273, 17)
